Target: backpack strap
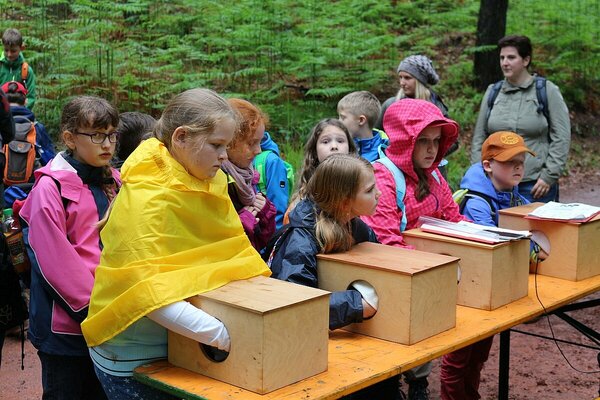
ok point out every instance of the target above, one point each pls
(490, 101)
(542, 98)
(24, 72)
(260, 164)
(471, 194)
(400, 185)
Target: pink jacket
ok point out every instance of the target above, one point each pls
(66, 245)
(403, 122)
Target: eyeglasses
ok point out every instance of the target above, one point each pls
(99, 138)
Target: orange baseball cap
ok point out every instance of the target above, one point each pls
(502, 146)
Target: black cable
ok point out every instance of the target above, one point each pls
(537, 263)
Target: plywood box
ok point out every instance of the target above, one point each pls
(278, 330)
(416, 290)
(575, 248)
(492, 275)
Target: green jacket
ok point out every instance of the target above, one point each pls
(515, 110)
(11, 71)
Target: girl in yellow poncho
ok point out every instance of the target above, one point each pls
(172, 233)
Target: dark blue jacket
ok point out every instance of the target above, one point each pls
(369, 148)
(295, 260)
(44, 145)
(478, 209)
(275, 179)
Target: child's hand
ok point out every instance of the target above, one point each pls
(368, 311)
(260, 202)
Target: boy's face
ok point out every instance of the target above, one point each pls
(507, 174)
(11, 52)
(350, 121)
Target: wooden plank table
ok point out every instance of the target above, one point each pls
(357, 361)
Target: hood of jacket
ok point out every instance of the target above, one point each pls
(268, 144)
(404, 120)
(304, 215)
(475, 179)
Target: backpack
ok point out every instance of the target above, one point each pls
(260, 164)
(24, 73)
(461, 196)
(540, 91)
(20, 153)
(400, 183)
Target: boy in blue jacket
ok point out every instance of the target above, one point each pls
(359, 111)
(493, 185)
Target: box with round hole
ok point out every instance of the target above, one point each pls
(416, 290)
(574, 247)
(279, 333)
(491, 275)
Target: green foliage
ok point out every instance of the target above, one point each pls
(294, 59)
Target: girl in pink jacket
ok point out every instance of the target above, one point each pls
(71, 194)
(419, 137)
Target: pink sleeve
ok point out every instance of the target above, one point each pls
(266, 221)
(386, 220)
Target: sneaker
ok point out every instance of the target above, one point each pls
(417, 389)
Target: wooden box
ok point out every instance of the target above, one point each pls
(574, 248)
(416, 290)
(279, 333)
(491, 275)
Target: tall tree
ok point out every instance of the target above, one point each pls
(491, 27)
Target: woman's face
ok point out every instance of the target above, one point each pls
(331, 141)
(366, 199)
(408, 83)
(426, 147)
(512, 64)
(244, 151)
(202, 157)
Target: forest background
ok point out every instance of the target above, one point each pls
(297, 59)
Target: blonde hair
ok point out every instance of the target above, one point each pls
(422, 92)
(335, 183)
(199, 111)
(361, 103)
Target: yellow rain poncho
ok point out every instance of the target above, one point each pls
(169, 236)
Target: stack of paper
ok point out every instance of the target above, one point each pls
(469, 231)
(571, 212)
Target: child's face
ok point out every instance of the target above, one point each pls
(408, 83)
(350, 121)
(244, 151)
(368, 194)
(202, 157)
(426, 147)
(82, 144)
(505, 175)
(12, 52)
(331, 141)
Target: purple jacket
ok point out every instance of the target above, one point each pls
(64, 252)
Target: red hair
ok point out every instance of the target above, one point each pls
(250, 119)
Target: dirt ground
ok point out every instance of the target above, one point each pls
(538, 370)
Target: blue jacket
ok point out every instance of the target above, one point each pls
(295, 260)
(478, 209)
(275, 179)
(369, 148)
(44, 145)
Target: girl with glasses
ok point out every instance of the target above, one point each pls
(71, 194)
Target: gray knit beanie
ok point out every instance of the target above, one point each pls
(421, 68)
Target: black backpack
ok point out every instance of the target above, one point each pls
(13, 309)
(540, 91)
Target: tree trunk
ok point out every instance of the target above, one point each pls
(491, 26)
